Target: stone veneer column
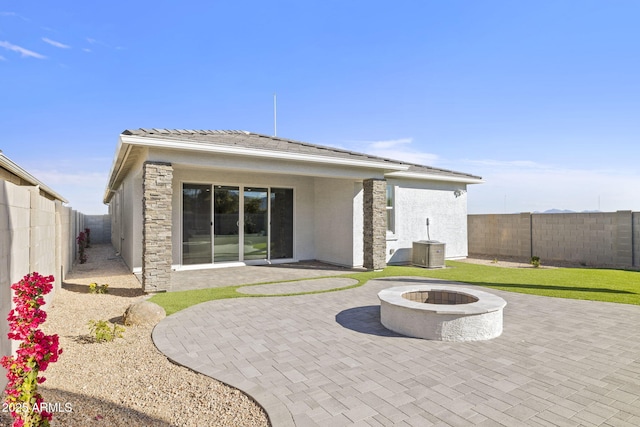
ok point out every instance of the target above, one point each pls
(375, 223)
(157, 190)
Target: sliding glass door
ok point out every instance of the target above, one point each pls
(232, 223)
(226, 224)
(281, 223)
(196, 224)
(256, 223)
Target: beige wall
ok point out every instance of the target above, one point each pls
(597, 239)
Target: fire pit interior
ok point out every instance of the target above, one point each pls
(439, 297)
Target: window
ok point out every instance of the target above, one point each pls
(391, 226)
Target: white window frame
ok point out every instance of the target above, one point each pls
(390, 205)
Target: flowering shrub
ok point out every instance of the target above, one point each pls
(34, 353)
(87, 231)
(82, 243)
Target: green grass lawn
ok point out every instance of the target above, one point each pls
(578, 283)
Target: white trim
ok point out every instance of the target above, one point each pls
(433, 177)
(256, 152)
(229, 264)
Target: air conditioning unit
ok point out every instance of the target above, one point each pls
(428, 253)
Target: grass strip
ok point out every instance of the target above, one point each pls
(607, 285)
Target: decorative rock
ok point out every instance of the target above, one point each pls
(143, 313)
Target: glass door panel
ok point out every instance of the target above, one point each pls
(281, 223)
(196, 224)
(256, 223)
(226, 217)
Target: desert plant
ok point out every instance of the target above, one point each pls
(535, 261)
(94, 288)
(104, 331)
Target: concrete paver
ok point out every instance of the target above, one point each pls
(325, 359)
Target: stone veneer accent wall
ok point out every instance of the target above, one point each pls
(157, 191)
(374, 222)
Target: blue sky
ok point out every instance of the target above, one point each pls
(540, 98)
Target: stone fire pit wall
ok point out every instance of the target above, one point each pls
(449, 313)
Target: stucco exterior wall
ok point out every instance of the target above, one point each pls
(415, 201)
(334, 234)
(358, 225)
(126, 223)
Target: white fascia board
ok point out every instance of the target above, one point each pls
(118, 160)
(434, 177)
(242, 151)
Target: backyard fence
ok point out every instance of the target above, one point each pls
(36, 234)
(601, 239)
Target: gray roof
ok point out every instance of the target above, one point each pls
(257, 141)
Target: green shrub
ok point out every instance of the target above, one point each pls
(102, 330)
(535, 261)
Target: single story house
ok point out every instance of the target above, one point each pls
(186, 199)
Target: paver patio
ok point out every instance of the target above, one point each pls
(325, 359)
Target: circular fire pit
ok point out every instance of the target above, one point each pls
(444, 313)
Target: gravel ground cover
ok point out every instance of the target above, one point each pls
(127, 382)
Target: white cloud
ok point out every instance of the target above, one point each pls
(507, 163)
(13, 14)
(22, 51)
(523, 186)
(381, 145)
(83, 190)
(55, 43)
(396, 149)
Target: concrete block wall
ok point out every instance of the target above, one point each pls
(635, 220)
(15, 206)
(100, 226)
(36, 234)
(585, 238)
(595, 239)
(499, 235)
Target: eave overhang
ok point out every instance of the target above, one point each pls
(435, 177)
(128, 141)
